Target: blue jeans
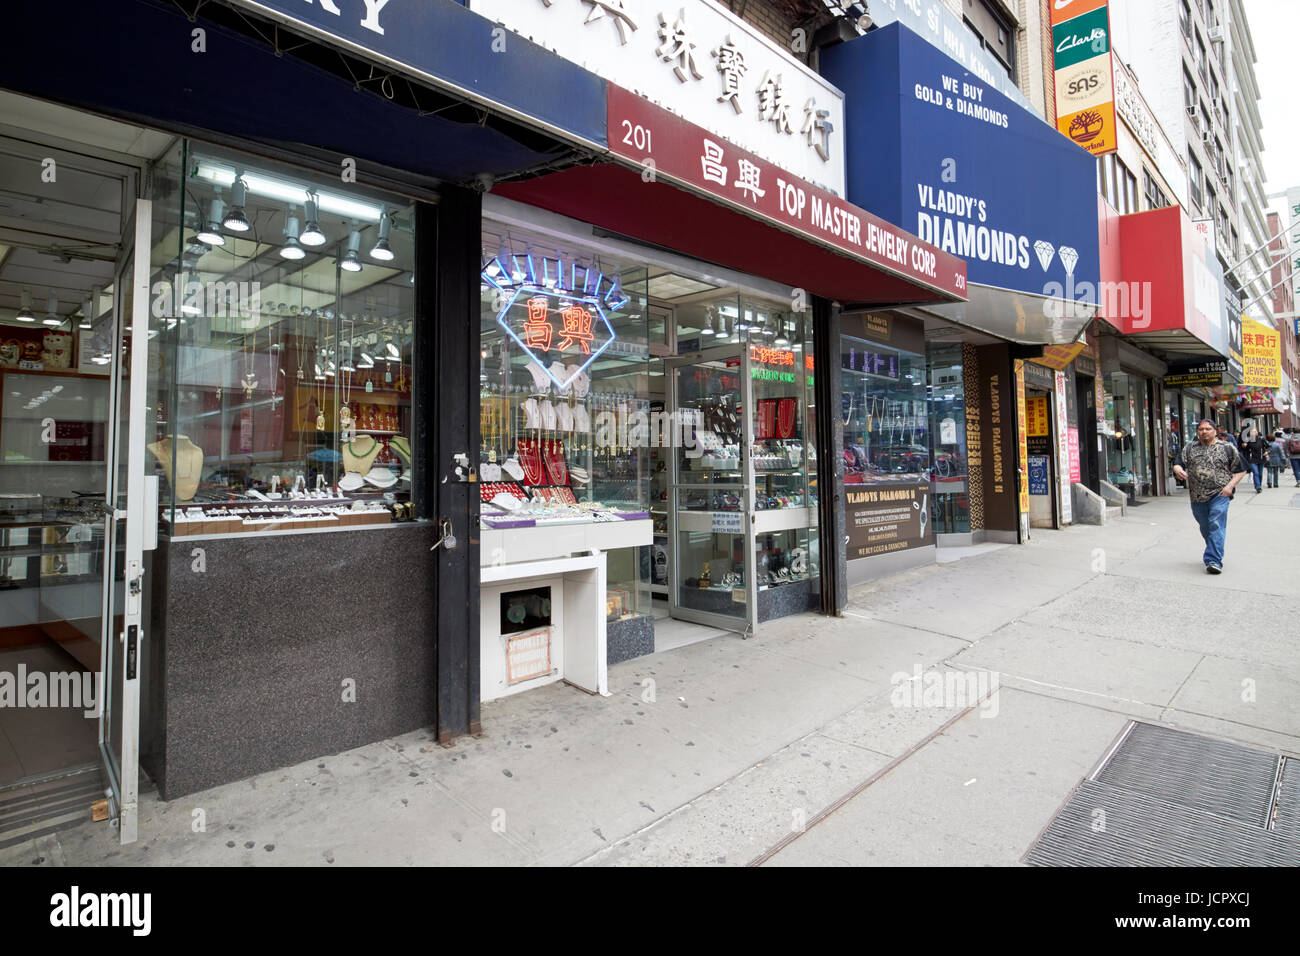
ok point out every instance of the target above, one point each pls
(1212, 518)
(1272, 475)
(1255, 469)
(1295, 467)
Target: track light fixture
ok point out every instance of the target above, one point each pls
(291, 249)
(351, 262)
(381, 251)
(708, 322)
(236, 220)
(210, 229)
(25, 308)
(312, 236)
(52, 311)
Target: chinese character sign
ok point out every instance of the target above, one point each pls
(697, 59)
(1261, 355)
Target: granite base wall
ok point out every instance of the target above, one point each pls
(249, 657)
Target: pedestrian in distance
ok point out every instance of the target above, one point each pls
(1277, 458)
(1293, 452)
(1212, 468)
(1254, 448)
(1224, 435)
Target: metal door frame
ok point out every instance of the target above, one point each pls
(124, 779)
(748, 624)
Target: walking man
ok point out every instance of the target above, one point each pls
(1212, 469)
(1276, 458)
(1293, 452)
(1254, 448)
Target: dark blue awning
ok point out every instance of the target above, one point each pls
(134, 60)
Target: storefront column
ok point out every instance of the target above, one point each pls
(830, 456)
(451, 428)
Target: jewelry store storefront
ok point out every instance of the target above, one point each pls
(234, 310)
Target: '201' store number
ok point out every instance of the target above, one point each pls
(638, 137)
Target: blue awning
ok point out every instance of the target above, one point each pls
(134, 60)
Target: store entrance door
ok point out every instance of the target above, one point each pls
(129, 513)
(710, 528)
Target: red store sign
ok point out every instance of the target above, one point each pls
(643, 133)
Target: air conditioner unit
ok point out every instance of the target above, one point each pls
(1216, 33)
(1207, 136)
(1191, 111)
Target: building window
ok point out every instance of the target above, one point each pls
(1196, 179)
(1200, 57)
(1189, 93)
(1156, 198)
(995, 32)
(1185, 19)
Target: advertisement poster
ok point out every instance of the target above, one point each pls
(1022, 447)
(1039, 483)
(1261, 355)
(1072, 443)
(1063, 451)
(1085, 82)
(886, 518)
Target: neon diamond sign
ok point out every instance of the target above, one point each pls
(562, 310)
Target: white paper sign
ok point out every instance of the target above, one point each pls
(699, 61)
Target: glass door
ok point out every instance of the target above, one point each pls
(710, 500)
(124, 537)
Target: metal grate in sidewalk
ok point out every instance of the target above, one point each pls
(1169, 798)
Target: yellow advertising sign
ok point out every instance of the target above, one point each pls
(1261, 355)
(1039, 424)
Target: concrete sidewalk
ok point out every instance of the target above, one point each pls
(787, 748)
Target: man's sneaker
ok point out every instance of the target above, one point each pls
(1213, 569)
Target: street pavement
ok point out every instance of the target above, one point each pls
(817, 742)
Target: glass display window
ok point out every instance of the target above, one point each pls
(290, 321)
(949, 479)
(886, 421)
(1128, 451)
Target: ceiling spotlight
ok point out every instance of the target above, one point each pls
(25, 309)
(85, 314)
(291, 249)
(781, 340)
(52, 311)
(381, 251)
(350, 261)
(366, 360)
(312, 236)
(236, 220)
(210, 231)
(392, 350)
(708, 322)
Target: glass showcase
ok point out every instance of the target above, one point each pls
(949, 488)
(612, 389)
(1128, 447)
(886, 422)
(288, 324)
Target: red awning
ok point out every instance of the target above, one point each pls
(616, 199)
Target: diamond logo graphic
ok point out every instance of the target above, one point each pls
(1045, 252)
(561, 310)
(1069, 257)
